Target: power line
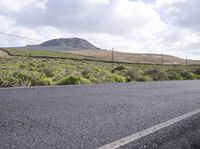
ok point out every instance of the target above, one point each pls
(17, 36)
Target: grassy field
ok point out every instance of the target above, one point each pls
(131, 57)
(40, 53)
(30, 71)
(102, 55)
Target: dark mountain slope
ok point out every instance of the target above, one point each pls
(63, 44)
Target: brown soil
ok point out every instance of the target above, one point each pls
(131, 57)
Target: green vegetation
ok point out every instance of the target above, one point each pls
(30, 71)
(73, 80)
(41, 53)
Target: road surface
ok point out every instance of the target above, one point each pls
(93, 116)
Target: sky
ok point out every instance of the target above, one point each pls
(137, 26)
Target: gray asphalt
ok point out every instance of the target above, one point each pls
(91, 116)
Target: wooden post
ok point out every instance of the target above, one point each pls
(186, 61)
(162, 59)
(112, 56)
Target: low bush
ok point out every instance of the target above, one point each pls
(172, 75)
(21, 71)
(31, 79)
(8, 81)
(112, 78)
(73, 80)
(143, 78)
(23, 78)
(119, 68)
(187, 75)
(86, 71)
(131, 74)
(152, 71)
(157, 75)
(48, 71)
(197, 71)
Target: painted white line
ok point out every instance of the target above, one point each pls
(143, 133)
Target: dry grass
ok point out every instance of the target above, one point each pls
(194, 62)
(3, 54)
(131, 57)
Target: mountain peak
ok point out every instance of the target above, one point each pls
(64, 44)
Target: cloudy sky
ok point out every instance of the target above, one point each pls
(144, 26)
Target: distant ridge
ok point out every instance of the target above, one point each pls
(63, 44)
(132, 57)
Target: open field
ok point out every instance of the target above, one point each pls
(27, 70)
(131, 57)
(41, 53)
(104, 56)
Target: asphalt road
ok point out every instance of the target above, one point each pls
(91, 116)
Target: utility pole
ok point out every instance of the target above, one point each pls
(112, 56)
(186, 61)
(162, 59)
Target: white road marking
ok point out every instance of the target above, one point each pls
(143, 133)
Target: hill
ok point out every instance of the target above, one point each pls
(131, 57)
(81, 47)
(3, 54)
(100, 55)
(63, 44)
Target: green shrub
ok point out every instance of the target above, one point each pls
(132, 74)
(187, 75)
(161, 76)
(136, 75)
(48, 71)
(73, 80)
(31, 79)
(172, 75)
(21, 71)
(91, 77)
(114, 78)
(86, 71)
(23, 78)
(119, 68)
(8, 81)
(157, 75)
(152, 71)
(197, 71)
(41, 81)
(196, 76)
(32, 64)
(96, 69)
(143, 78)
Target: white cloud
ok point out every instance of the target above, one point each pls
(168, 26)
(137, 19)
(183, 31)
(9, 26)
(183, 13)
(99, 1)
(16, 6)
(183, 40)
